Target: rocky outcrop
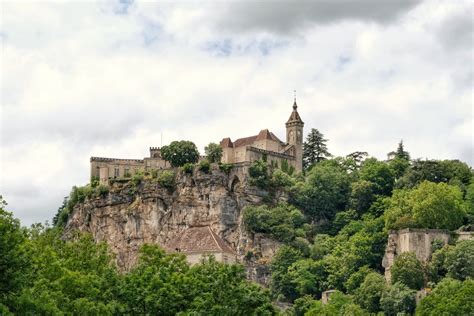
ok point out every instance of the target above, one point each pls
(130, 215)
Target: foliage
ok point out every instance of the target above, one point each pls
(407, 269)
(449, 297)
(166, 179)
(287, 168)
(225, 167)
(281, 179)
(447, 171)
(453, 261)
(180, 152)
(398, 299)
(400, 153)
(379, 174)
(205, 166)
(314, 148)
(430, 205)
(13, 260)
(357, 278)
(370, 292)
(282, 222)
(281, 284)
(355, 160)
(188, 168)
(213, 152)
(338, 304)
(137, 178)
(362, 196)
(259, 174)
(325, 191)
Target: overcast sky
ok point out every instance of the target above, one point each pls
(109, 78)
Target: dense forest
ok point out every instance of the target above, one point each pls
(333, 226)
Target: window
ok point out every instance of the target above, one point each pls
(127, 172)
(116, 172)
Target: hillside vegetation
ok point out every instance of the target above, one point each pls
(333, 229)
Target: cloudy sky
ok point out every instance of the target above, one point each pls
(109, 78)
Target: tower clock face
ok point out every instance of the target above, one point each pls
(299, 136)
(290, 136)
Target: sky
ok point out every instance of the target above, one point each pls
(112, 78)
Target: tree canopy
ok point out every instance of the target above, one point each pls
(179, 153)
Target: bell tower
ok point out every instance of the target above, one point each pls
(294, 135)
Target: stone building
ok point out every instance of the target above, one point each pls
(247, 149)
(265, 143)
(106, 168)
(198, 242)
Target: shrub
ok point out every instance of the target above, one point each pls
(95, 181)
(188, 168)
(102, 190)
(258, 173)
(154, 173)
(137, 178)
(407, 269)
(204, 165)
(166, 179)
(281, 179)
(226, 167)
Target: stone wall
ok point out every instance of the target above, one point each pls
(418, 241)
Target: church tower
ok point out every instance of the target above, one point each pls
(294, 135)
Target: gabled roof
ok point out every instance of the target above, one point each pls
(226, 142)
(198, 239)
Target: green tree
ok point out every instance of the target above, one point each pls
(259, 174)
(370, 292)
(213, 152)
(398, 299)
(449, 297)
(308, 277)
(430, 205)
(407, 269)
(325, 191)
(314, 149)
(379, 174)
(14, 262)
(459, 260)
(179, 153)
(362, 196)
(400, 153)
(281, 284)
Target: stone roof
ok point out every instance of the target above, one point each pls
(198, 239)
(294, 117)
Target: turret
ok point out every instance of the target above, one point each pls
(294, 135)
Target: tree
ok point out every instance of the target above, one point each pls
(399, 299)
(449, 297)
(325, 191)
(179, 153)
(213, 152)
(314, 149)
(459, 262)
(407, 269)
(429, 205)
(370, 292)
(379, 174)
(14, 263)
(400, 153)
(357, 157)
(281, 283)
(362, 196)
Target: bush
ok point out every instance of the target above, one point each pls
(259, 175)
(399, 299)
(204, 165)
(188, 168)
(154, 173)
(225, 167)
(95, 181)
(137, 178)
(102, 190)
(281, 179)
(166, 179)
(407, 269)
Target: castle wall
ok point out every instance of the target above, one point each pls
(418, 241)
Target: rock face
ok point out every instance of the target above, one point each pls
(130, 216)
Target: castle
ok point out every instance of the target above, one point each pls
(243, 150)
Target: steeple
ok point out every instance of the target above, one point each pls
(294, 135)
(295, 118)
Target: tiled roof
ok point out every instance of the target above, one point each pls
(245, 141)
(226, 142)
(294, 117)
(198, 239)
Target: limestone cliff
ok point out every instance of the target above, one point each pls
(129, 216)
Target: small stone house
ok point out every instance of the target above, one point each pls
(196, 242)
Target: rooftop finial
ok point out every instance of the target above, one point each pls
(294, 102)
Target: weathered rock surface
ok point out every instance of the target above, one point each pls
(130, 216)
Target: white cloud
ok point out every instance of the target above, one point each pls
(83, 79)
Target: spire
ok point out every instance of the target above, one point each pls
(295, 106)
(294, 117)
